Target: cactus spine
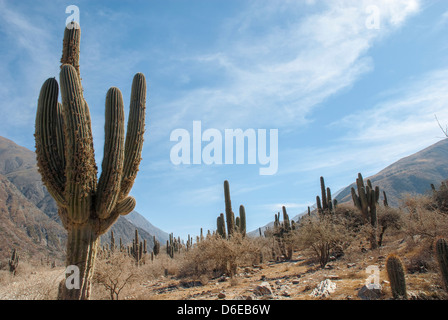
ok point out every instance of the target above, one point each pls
(441, 248)
(65, 157)
(395, 272)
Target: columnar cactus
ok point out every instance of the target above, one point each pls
(281, 234)
(156, 248)
(221, 226)
(366, 201)
(326, 204)
(441, 248)
(13, 262)
(242, 221)
(112, 241)
(230, 216)
(234, 225)
(395, 272)
(88, 207)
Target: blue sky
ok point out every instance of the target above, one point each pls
(344, 98)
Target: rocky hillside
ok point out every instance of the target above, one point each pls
(28, 214)
(410, 175)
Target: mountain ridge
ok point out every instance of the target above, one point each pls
(21, 185)
(412, 175)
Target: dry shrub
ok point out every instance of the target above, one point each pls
(423, 218)
(323, 234)
(162, 265)
(389, 219)
(114, 273)
(216, 256)
(421, 258)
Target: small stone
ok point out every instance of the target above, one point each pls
(221, 295)
(366, 293)
(263, 289)
(324, 289)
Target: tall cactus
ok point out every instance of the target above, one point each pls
(242, 221)
(395, 272)
(65, 156)
(230, 216)
(441, 248)
(366, 201)
(326, 204)
(234, 224)
(13, 262)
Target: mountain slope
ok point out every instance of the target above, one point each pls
(21, 183)
(138, 220)
(410, 175)
(26, 228)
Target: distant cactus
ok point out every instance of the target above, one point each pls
(281, 234)
(234, 224)
(366, 201)
(156, 248)
(441, 249)
(230, 216)
(396, 274)
(138, 250)
(242, 221)
(326, 204)
(221, 226)
(88, 207)
(385, 202)
(112, 241)
(13, 262)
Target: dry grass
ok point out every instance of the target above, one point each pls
(217, 268)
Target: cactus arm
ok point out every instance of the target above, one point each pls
(323, 192)
(230, 217)
(242, 220)
(49, 141)
(71, 46)
(134, 135)
(113, 158)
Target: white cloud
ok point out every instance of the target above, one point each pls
(403, 123)
(273, 74)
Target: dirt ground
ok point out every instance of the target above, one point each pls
(287, 280)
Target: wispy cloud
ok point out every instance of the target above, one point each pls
(403, 123)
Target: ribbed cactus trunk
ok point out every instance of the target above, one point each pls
(87, 206)
(230, 216)
(396, 274)
(82, 248)
(441, 249)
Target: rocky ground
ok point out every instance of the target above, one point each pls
(298, 279)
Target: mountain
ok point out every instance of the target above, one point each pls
(138, 220)
(410, 175)
(28, 214)
(25, 227)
